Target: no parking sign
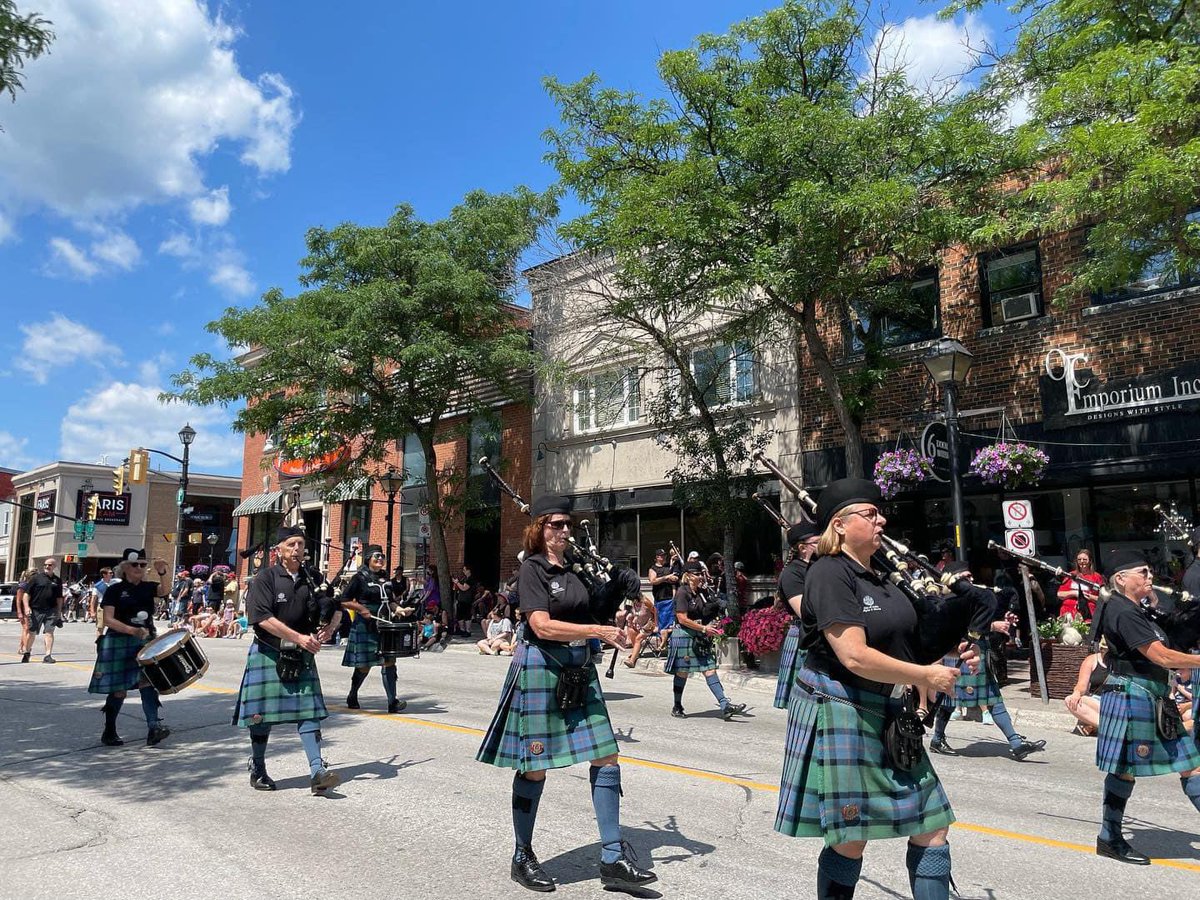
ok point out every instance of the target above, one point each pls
(1018, 514)
(1020, 540)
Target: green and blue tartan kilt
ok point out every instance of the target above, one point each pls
(682, 657)
(791, 661)
(265, 700)
(529, 732)
(362, 647)
(1128, 742)
(976, 689)
(116, 667)
(837, 782)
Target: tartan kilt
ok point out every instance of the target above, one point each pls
(791, 661)
(116, 667)
(1128, 742)
(529, 732)
(362, 647)
(265, 700)
(681, 654)
(837, 783)
(978, 689)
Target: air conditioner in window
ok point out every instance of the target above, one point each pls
(1019, 306)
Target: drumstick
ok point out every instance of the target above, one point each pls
(612, 666)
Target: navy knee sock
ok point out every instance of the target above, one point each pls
(112, 708)
(1191, 787)
(389, 683)
(929, 872)
(526, 795)
(837, 875)
(1117, 792)
(310, 737)
(606, 799)
(150, 706)
(259, 735)
(942, 718)
(714, 685)
(1004, 722)
(677, 687)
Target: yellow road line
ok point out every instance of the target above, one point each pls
(704, 774)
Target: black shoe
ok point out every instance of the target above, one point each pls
(623, 875)
(1120, 850)
(729, 710)
(396, 705)
(352, 701)
(678, 713)
(324, 780)
(1026, 748)
(24, 657)
(939, 745)
(111, 739)
(259, 779)
(528, 872)
(157, 735)
(49, 659)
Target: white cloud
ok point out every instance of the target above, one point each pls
(215, 251)
(12, 452)
(76, 261)
(211, 209)
(112, 419)
(6, 228)
(232, 278)
(112, 249)
(178, 245)
(935, 54)
(57, 343)
(117, 249)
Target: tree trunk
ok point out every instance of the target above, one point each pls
(437, 533)
(728, 550)
(833, 388)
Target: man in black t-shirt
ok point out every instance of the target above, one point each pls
(44, 596)
(216, 590)
(464, 596)
(663, 582)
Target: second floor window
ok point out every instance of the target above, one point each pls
(1012, 285)
(605, 400)
(726, 373)
(1160, 271)
(414, 460)
(905, 317)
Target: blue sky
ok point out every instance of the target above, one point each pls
(167, 158)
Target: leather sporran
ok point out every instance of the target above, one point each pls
(572, 690)
(289, 665)
(1167, 719)
(702, 645)
(902, 740)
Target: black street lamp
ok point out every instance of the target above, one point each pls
(187, 434)
(948, 362)
(212, 551)
(392, 483)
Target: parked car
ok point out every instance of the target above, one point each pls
(8, 594)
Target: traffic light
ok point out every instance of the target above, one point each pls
(93, 507)
(139, 466)
(119, 479)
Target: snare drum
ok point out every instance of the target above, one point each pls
(398, 639)
(172, 661)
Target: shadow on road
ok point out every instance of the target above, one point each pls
(659, 843)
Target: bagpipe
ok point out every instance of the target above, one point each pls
(948, 605)
(1181, 625)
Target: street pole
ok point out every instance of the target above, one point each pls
(956, 501)
(391, 501)
(187, 434)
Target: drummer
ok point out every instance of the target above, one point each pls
(281, 683)
(128, 614)
(368, 593)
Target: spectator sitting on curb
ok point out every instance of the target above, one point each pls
(498, 636)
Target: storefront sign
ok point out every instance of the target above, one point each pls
(44, 506)
(1072, 395)
(935, 444)
(299, 468)
(112, 510)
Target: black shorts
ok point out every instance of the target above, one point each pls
(462, 609)
(43, 621)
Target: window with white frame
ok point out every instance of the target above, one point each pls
(726, 373)
(609, 399)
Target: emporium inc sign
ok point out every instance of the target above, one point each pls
(1072, 395)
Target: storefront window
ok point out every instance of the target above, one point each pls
(618, 537)
(1126, 520)
(659, 528)
(356, 522)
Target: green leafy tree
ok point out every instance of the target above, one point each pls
(787, 161)
(400, 328)
(22, 38)
(1112, 140)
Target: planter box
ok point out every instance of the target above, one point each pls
(1062, 669)
(730, 659)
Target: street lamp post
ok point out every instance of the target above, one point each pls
(187, 434)
(392, 483)
(948, 363)
(212, 550)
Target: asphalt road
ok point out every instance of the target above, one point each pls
(417, 816)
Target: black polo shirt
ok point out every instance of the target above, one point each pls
(1191, 579)
(292, 599)
(1126, 627)
(791, 580)
(44, 592)
(553, 589)
(368, 589)
(128, 600)
(697, 606)
(838, 591)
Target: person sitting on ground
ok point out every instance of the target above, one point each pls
(1084, 700)
(640, 622)
(498, 628)
(429, 632)
(485, 602)
(228, 620)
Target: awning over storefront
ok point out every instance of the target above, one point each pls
(259, 503)
(351, 489)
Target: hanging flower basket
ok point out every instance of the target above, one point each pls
(763, 630)
(1010, 465)
(899, 468)
(199, 571)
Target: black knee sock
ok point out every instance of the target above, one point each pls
(1117, 792)
(677, 688)
(837, 875)
(112, 708)
(526, 795)
(1191, 787)
(942, 719)
(356, 680)
(389, 683)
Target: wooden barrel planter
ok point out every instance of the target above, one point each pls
(1062, 669)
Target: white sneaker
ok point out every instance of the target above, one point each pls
(958, 714)
(987, 718)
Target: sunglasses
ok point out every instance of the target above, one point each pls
(869, 514)
(137, 565)
(1144, 572)
(559, 525)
